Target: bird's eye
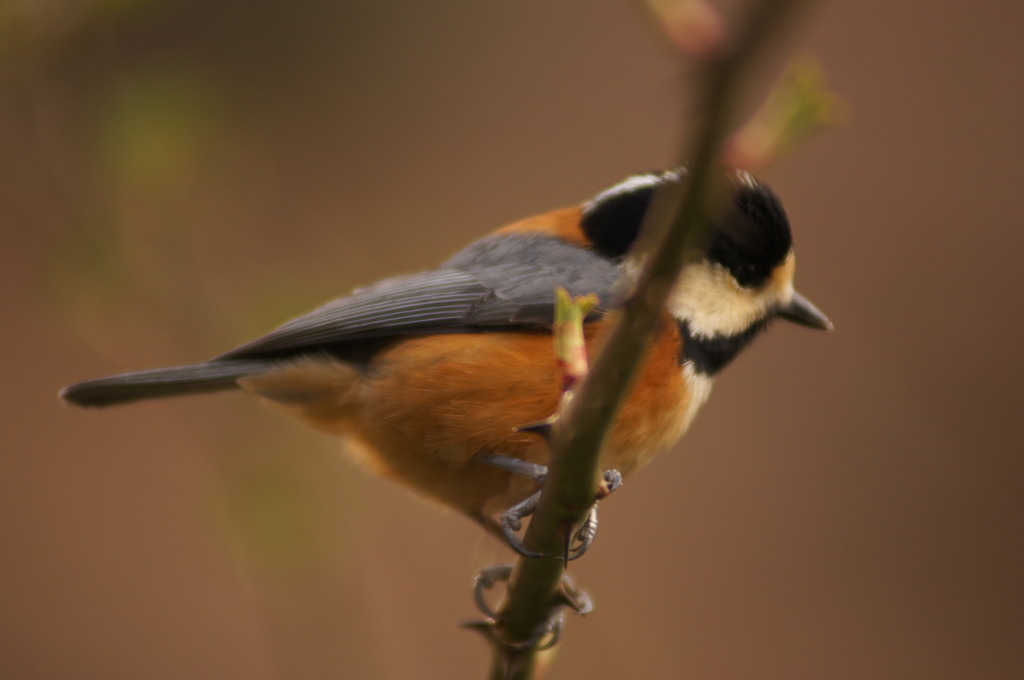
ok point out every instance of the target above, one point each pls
(746, 274)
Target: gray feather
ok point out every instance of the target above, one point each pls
(502, 282)
(161, 382)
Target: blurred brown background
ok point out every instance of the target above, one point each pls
(180, 175)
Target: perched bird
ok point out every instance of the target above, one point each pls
(426, 375)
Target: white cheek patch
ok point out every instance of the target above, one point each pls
(709, 298)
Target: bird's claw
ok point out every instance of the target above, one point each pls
(486, 579)
(574, 598)
(548, 633)
(512, 521)
(577, 542)
(610, 481)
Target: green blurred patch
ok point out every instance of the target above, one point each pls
(152, 130)
(273, 516)
(798, 107)
(126, 260)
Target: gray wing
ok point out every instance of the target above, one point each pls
(500, 282)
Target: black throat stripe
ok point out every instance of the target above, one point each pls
(711, 355)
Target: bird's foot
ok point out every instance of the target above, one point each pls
(547, 634)
(577, 542)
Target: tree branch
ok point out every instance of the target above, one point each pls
(673, 232)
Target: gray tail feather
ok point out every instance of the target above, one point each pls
(162, 382)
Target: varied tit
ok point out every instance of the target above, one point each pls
(425, 375)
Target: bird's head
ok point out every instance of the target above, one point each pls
(742, 282)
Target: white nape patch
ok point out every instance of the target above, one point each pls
(709, 298)
(699, 386)
(633, 183)
(746, 179)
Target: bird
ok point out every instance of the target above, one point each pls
(428, 377)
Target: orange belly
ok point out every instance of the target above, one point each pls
(427, 407)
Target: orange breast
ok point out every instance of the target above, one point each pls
(427, 407)
(430, 405)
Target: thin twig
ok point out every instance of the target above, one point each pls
(676, 227)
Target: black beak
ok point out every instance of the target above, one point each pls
(800, 310)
